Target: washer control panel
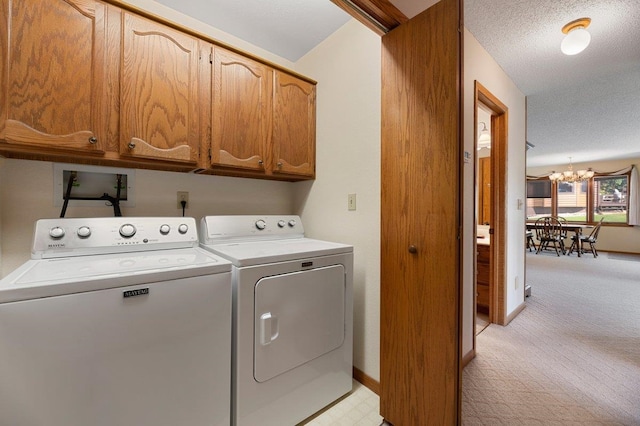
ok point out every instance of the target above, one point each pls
(81, 236)
(223, 229)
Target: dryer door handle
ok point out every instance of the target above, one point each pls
(268, 328)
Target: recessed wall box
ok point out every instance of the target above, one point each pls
(92, 182)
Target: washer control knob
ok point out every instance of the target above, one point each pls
(183, 228)
(56, 233)
(127, 230)
(84, 232)
(261, 224)
(292, 223)
(164, 229)
(282, 223)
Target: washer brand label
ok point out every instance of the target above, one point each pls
(305, 264)
(53, 246)
(133, 293)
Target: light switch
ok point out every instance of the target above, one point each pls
(351, 202)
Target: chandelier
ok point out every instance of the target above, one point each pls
(571, 176)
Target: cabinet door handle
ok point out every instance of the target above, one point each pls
(260, 162)
(279, 165)
(131, 145)
(413, 249)
(93, 140)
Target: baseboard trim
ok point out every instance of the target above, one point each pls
(366, 380)
(617, 252)
(466, 359)
(515, 312)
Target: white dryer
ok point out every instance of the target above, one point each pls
(292, 317)
(116, 322)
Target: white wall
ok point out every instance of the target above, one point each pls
(480, 66)
(27, 195)
(347, 66)
(623, 239)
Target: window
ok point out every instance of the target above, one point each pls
(539, 198)
(610, 198)
(603, 196)
(571, 201)
(565, 187)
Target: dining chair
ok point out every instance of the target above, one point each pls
(549, 230)
(591, 239)
(563, 222)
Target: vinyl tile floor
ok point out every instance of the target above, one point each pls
(358, 408)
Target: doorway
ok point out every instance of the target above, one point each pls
(490, 207)
(483, 216)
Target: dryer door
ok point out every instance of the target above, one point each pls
(299, 316)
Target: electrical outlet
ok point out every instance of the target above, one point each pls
(351, 202)
(183, 196)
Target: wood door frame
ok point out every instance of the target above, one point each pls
(499, 144)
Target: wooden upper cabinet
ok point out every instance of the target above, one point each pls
(294, 126)
(88, 81)
(241, 111)
(159, 92)
(53, 83)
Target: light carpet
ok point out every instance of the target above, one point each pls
(572, 357)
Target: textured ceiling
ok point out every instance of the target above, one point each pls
(585, 106)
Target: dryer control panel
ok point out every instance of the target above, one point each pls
(64, 237)
(225, 229)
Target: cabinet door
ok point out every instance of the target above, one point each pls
(53, 80)
(159, 92)
(241, 111)
(294, 126)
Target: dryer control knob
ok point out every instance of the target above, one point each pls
(56, 232)
(183, 228)
(164, 229)
(127, 230)
(261, 224)
(84, 232)
(292, 223)
(282, 223)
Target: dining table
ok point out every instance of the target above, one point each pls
(576, 228)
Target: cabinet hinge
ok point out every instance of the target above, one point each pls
(210, 154)
(211, 58)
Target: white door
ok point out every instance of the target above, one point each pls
(299, 316)
(102, 359)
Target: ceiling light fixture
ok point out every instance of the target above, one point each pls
(571, 176)
(484, 141)
(577, 37)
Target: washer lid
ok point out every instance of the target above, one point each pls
(51, 277)
(272, 251)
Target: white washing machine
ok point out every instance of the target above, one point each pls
(116, 322)
(292, 317)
